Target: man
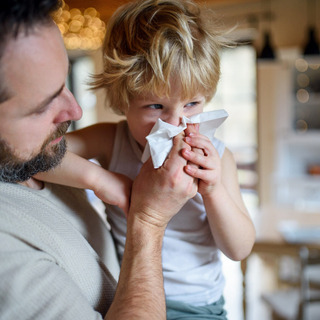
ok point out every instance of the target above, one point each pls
(54, 249)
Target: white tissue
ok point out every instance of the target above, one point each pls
(160, 138)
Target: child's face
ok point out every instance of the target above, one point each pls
(145, 110)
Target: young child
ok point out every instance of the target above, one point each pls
(161, 60)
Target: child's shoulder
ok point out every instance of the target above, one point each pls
(228, 161)
(227, 154)
(105, 133)
(104, 126)
(95, 141)
(102, 131)
(219, 146)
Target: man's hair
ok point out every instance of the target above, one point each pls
(21, 16)
(150, 42)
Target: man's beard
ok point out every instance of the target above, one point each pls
(13, 169)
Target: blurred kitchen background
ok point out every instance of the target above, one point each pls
(270, 86)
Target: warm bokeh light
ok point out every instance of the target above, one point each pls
(301, 126)
(80, 30)
(303, 80)
(301, 65)
(303, 96)
(314, 66)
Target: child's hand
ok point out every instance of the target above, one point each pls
(190, 129)
(115, 189)
(204, 161)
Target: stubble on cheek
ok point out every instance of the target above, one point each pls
(14, 169)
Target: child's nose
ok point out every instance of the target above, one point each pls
(173, 119)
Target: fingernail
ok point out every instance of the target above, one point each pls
(186, 151)
(188, 139)
(191, 134)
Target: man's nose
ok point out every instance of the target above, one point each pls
(69, 109)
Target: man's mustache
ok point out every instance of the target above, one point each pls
(61, 131)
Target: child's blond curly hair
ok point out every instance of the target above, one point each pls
(150, 42)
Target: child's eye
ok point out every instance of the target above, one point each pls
(192, 104)
(155, 106)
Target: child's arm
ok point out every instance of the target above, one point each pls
(74, 171)
(228, 218)
(95, 141)
(92, 142)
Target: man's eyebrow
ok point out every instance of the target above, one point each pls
(44, 103)
(40, 107)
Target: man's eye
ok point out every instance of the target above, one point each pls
(155, 106)
(43, 110)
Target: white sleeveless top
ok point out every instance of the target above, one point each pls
(190, 257)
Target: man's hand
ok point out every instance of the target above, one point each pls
(158, 194)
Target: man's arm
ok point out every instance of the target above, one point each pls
(157, 195)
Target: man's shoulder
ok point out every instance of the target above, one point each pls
(45, 218)
(19, 203)
(13, 194)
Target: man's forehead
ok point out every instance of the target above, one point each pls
(37, 45)
(36, 61)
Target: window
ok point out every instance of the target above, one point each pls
(236, 93)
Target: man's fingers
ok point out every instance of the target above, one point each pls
(175, 159)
